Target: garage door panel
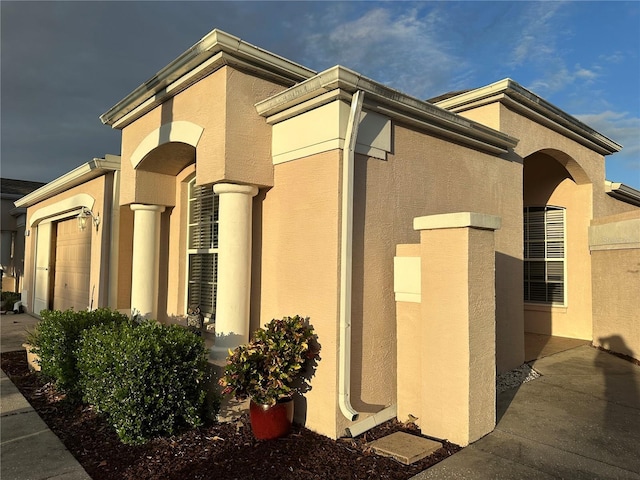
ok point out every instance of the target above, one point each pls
(72, 267)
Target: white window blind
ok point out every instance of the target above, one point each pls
(202, 248)
(544, 255)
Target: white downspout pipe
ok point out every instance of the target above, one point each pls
(346, 264)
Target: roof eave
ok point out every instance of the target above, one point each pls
(622, 192)
(83, 173)
(387, 101)
(531, 105)
(213, 43)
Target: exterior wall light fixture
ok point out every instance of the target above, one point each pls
(82, 218)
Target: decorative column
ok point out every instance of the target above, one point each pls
(234, 265)
(458, 391)
(145, 264)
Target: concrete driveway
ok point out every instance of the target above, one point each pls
(580, 420)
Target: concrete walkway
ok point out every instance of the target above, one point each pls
(28, 449)
(580, 420)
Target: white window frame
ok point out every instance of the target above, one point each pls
(541, 247)
(212, 248)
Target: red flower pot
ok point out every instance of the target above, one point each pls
(269, 422)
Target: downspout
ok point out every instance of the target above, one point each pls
(346, 265)
(346, 250)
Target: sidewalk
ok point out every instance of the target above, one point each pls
(580, 420)
(28, 449)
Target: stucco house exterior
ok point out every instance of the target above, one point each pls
(422, 239)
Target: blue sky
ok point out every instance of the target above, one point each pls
(65, 63)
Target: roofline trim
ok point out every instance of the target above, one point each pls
(385, 100)
(83, 173)
(622, 192)
(515, 96)
(235, 50)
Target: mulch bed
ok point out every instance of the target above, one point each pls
(222, 451)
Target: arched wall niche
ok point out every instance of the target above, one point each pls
(173, 139)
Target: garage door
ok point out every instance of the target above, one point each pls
(72, 266)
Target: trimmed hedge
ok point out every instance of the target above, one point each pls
(148, 378)
(56, 337)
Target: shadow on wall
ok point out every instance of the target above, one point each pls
(302, 384)
(256, 261)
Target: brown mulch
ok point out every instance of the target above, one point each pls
(221, 451)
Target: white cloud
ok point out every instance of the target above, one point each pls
(401, 48)
(586, 74)
(537, 41)
(540, 48)
(621, 127)
(562, 77)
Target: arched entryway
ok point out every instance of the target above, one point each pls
(557, 201)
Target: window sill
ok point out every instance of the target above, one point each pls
(539, 307)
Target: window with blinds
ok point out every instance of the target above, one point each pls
(544, 255)
(202, 248)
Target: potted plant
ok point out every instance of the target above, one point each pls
(267, 370)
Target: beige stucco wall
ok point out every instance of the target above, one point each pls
(559, 171)
(458, 396)
(423, 176)
(173, 283)
(409, 328)
(296, 271)
(235, 144)
(100, 189)
(125, 257)
(299, 243)
(616, 282)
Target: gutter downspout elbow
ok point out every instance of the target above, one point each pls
(346, 264)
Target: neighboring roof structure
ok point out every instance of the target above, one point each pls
(11, 188)
(527, 103)
(77, 176)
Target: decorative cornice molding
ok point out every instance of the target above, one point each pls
(622, 192)
(341, 83)
(518, 98)
(212, 52)
(77, 176)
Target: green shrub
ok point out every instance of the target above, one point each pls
(148, 379)
(55, 339)
(8, 300)
(268, 367)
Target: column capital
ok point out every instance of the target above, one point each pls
(480, 221)
(221, 188)
(150, 208)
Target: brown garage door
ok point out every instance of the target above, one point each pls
(72, 266)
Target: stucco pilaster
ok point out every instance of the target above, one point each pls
(458, 366)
